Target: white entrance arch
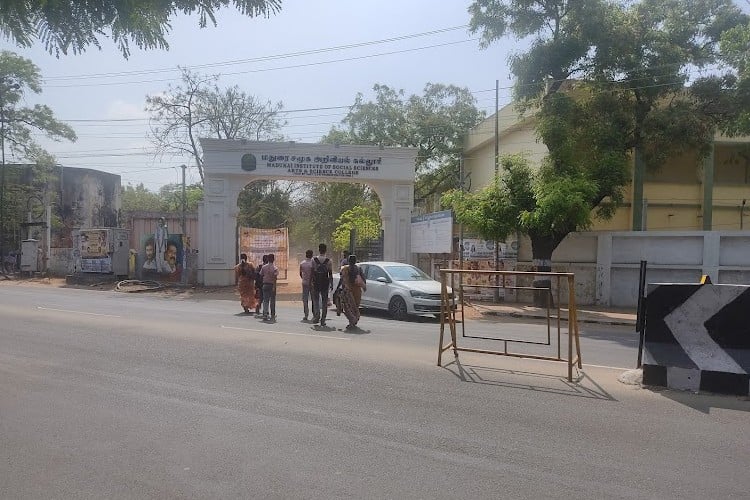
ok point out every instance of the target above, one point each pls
(229, 165)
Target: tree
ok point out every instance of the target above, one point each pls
(605, 80)
(171, 197)
(198, 108)
(138, 198)
(325, 202)
(17, 124)
(363, 220)
(17, 76)
(167, 199)
(435, 122)
(527, 201)
(263, 204)
(74, 26)
(729, 93)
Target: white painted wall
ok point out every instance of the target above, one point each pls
(607, 264)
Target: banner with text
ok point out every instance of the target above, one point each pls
(257, 242)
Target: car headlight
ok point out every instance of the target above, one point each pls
(419, 295)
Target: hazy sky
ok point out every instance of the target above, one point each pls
(102, 95)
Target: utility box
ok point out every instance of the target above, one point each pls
(104, 251)
(30, 256)
(120, 252)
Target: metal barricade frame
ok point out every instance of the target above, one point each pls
(448, 316)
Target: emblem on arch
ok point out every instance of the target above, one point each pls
(248, 162)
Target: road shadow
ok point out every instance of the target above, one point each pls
(380, 314)
(582, 385)
(625, 336)
(704, 402)
(354, 331)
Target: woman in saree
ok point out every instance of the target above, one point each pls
(351, 291)
(244, 279)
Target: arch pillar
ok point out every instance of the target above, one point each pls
(396, 202)
(217, 223)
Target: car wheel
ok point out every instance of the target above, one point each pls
(397, 308)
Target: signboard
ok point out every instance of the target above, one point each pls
(432, 233)
(283, 160)
(477, 249)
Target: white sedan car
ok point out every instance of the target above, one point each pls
(401, 289)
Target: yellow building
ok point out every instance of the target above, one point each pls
(671, 199)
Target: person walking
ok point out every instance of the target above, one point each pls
(352, 284)
(244, 280)
(322, 282)
(345, 260)
(270, 274)
(305, 274)
(259, 285)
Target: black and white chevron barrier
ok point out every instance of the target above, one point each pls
(697, 337)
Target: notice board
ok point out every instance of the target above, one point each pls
(432, 233)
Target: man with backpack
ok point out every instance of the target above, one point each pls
(322, 283)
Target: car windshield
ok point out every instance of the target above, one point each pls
(407, 273)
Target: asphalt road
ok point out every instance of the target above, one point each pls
(108, 395)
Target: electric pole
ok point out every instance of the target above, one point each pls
(184, 277)
(184, 203)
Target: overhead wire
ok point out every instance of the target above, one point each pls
(289, 113)
(264, 58)
(262, 70)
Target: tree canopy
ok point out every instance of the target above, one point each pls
(139, 198)
(365, 223)
(435, 122)
(19, 75)
(603, 80)
(734, 82)
(264, 204)
(167, 199)
(74, 26)
(317, 212)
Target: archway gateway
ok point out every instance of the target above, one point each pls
(229, 165)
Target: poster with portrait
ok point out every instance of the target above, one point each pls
(93, 243)
(162, 257)
(91, 250)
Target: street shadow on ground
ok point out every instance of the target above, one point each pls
(582, 385)
(380, 314)
(354, 331)
(623, 335)
(704, 402)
